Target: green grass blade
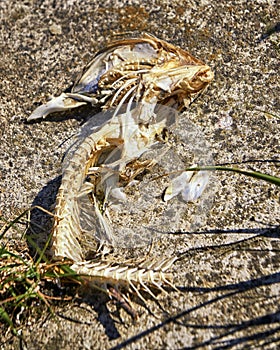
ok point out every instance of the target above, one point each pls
(256, 174)
(5, 317)
(7, 226)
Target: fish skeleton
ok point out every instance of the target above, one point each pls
(133, 79)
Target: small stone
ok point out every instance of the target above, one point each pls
(55, 29)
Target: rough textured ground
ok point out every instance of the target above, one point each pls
(231, 272)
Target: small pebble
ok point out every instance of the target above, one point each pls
(55, 29)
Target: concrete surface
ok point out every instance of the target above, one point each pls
(230, 275)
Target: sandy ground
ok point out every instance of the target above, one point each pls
(230, 276)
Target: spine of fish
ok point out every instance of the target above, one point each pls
(66, 232)
(66, 227)
(150, 274)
